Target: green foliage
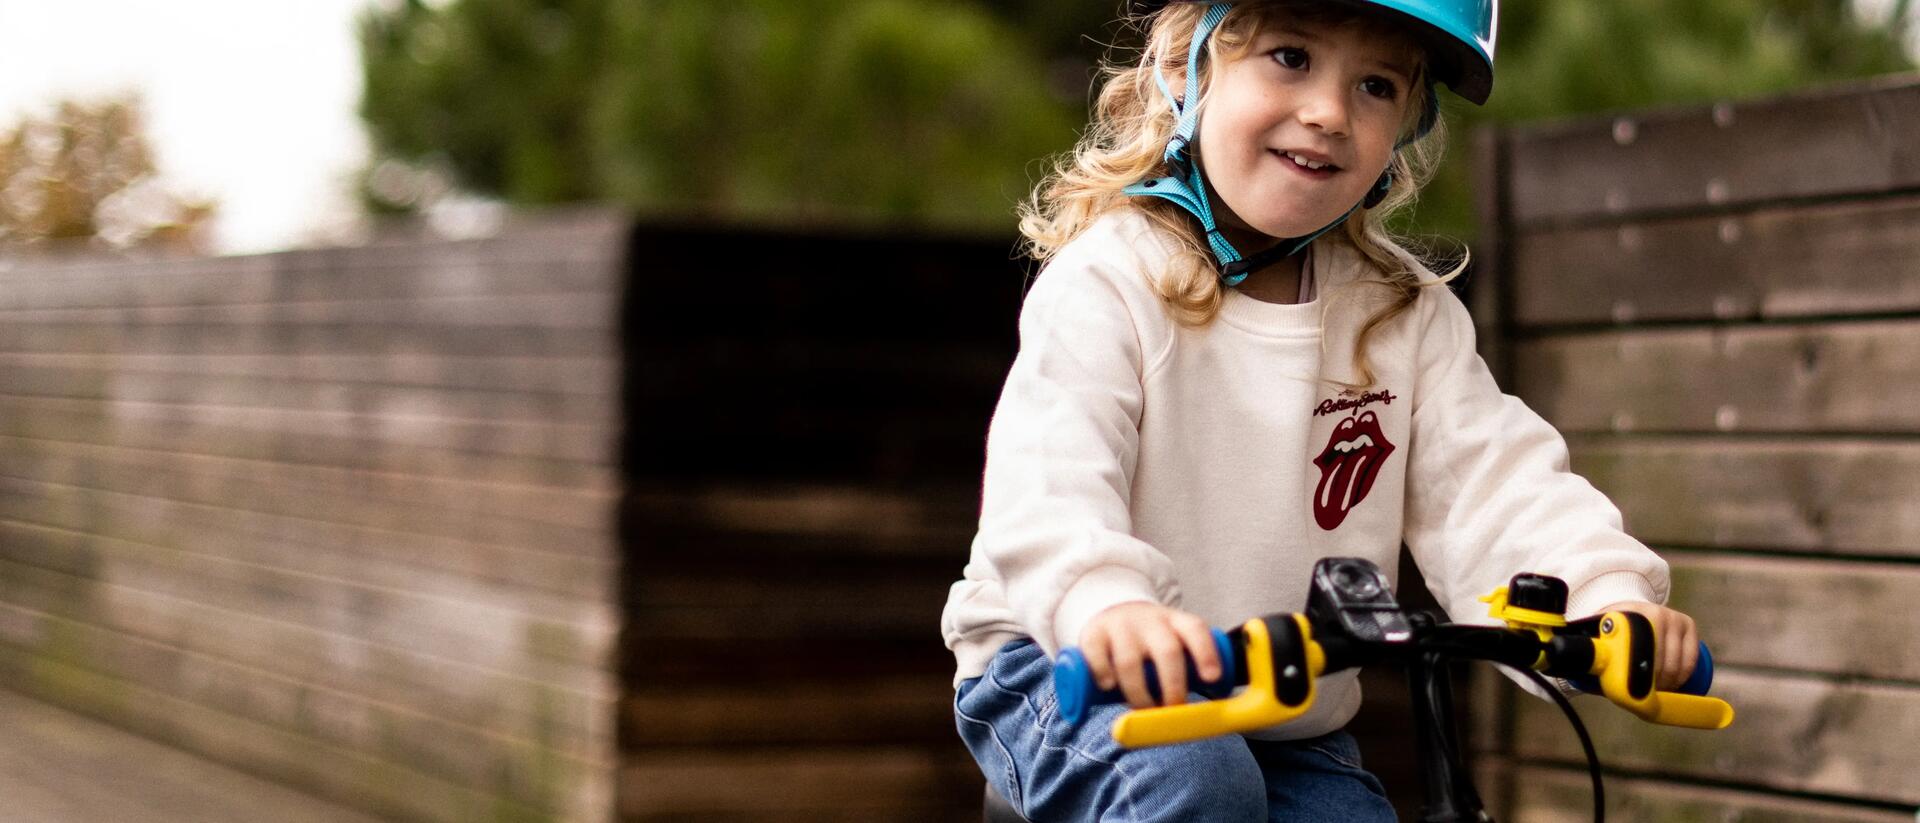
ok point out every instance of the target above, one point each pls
(940, 111)
(880, 110)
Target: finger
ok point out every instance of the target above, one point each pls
(1099, 653)
(1669, 669)
(1689, 653)
(1170, 658)
(1127, 669)
(1666, 663)
(1198, 637)
(1684, 649)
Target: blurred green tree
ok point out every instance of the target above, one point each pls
(875, 110)
(939, 111)
(85, 172)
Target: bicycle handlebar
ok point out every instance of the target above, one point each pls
(1271, 665)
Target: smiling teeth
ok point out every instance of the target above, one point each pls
(1302, 161)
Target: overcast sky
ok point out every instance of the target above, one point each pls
(249, 101)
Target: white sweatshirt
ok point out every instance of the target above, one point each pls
(1131, 458)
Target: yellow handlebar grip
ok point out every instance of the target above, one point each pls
(1623, 659)
(1690, 711)
(1255, 707)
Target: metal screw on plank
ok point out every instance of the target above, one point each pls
(1622, 421)
(1629, 238)
(1726, 418)
(1625, 131)
(1726, 306)
(1723, 115)
(1616, 200)
(1716, 191)
(1810, 356)
(1729, 231)
(1622, 311)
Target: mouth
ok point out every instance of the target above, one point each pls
(1348, 467)
(1311, 166)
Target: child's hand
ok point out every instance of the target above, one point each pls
(1119, 640)
(1674, 635)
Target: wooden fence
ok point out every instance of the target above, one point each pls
(341, 518)
(1720, 307)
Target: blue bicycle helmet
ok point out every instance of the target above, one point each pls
(1459, 38)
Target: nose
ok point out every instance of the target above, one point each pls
(1323, 106)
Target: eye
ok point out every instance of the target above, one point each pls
(1380, 87)
(1293, 58)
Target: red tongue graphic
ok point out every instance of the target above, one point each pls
(1336, 494)
(1346, 476)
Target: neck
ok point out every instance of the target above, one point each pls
(1277, 282)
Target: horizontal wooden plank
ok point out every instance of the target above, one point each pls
(559, 586)
(853, 783)
(1819, 143)
(648, 654)
(31, 580)
(347, 776)
(550, 519)
(1854, 258)
(570, 376)
(437, 625)
(307, 397)
(511, 453)
(295, 279)
(818, 708)
(706, 444)
(769, 521)
(128, 777)
(482, 759)
(755, 605)
(1834, 377)
(961, 289)
(1802, 614)
(1790, 733)
(589, 311)
(1545, 795)
(307, 339)
(579, 239)
(1838, 495)
(481, 694)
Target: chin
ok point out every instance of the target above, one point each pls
(1294, 226)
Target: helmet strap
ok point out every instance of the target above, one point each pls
(1380, 189)
(1186, 186)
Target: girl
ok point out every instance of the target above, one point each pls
(1229, 370)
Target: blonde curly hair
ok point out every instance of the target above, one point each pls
(1128, 135)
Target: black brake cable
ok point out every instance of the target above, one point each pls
(1593, 759)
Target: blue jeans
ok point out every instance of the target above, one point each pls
(1050, 772)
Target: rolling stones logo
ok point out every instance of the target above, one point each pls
(1348, 467)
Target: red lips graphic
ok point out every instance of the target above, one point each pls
(1348, 467)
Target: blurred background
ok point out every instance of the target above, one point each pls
(572, 409)
(269, 126)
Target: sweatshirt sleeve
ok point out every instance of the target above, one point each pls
(1055, 524)
(1489, 493)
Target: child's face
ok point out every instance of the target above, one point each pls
(1329, 94)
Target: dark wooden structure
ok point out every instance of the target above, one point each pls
(1717, 305)
(808, 414)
